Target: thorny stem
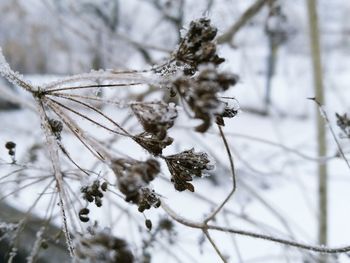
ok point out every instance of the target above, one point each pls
(218, 209)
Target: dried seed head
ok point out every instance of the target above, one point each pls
(133, 180)
(155, 117)
(93, 193)
(184, 166)
(197, 46)
(147, 198)
(229, 112)
(201, 93)
(152, 143)
(343, 123)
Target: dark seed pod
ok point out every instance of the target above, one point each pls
(84, 189)
(10, 145)
(148, 224)
(84, 219)
(95, 185)
(44, 244)
(84, 211)
(88, 197)
(157, 204)
(83, 215)
(104, 186)
(98, 201)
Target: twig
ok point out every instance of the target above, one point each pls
(217, 210)
(212, 242)
(228, 36)
(198, 225)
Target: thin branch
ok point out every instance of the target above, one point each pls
(228, 36)
(232, 167)
(202, 226)
(212, 242)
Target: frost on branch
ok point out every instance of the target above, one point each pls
(13, 77)
(101, 246)
(185, 165)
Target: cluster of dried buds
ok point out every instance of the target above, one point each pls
(93, 192)
(133, 181)
(185, 165)
(156, 118)
(198, 46)
(343, 123)
(101, 246)
(201, 94)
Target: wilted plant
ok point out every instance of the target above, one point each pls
(195, 78)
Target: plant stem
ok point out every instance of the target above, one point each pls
(321, 130)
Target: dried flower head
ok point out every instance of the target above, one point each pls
(101, 246)
(343, 123)
(229, 112)
(133, 180)
(197, 46)
(185, 165)
(201, 93)
(152, 143)
(155, 117)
